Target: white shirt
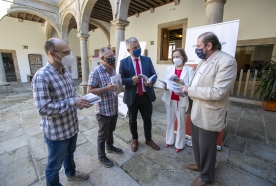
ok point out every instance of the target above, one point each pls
(134, 65)
(200, 71)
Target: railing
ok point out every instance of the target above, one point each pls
(245, 86)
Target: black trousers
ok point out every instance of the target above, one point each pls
(107, 125)
(205, 151)
(144, 105)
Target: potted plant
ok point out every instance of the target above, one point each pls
(267, 87)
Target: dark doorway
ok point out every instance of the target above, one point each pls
(9, 67)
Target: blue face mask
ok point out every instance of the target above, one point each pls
(199, 53)
(136, 52)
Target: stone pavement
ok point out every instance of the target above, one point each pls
(248, 155)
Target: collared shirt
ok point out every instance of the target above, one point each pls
(200, 71)
(54, 92)
(134, 66)
(100, 78)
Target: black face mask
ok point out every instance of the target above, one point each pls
(110, 60)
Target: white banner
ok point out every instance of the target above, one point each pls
(227, 33)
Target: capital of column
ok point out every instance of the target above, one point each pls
(119, 24)
(83, 36)
(217, 1)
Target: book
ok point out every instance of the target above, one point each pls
(92, 98)
(117, 80)
(146, 78)
(173, 77)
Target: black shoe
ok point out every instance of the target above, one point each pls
(114, 150)
(105, 162)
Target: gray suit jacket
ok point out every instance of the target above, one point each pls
(210, 96)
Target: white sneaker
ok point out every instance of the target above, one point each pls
(189, 143)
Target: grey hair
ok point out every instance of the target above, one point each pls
(212, 38)
(103, 50)
(129, 40)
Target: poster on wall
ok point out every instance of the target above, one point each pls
(35, 62)
(227, 33)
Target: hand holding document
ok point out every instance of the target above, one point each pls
(117, 80)
(146, 78)
(92, 98)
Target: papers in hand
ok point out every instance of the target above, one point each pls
(174, 86)
(173, 77)
(146, 78)
(92, 98)
(162, 81)
(117, 80)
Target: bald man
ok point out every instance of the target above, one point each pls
(56, 102)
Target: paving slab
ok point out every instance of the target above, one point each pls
(262, 151)
(17, 168)
(256, 115)
(13, 144)
(271, 133)
(252, 165)
(38, 146)
(143, 169)
(236, 143)
(228, 175)
(252, 129)
(171, 178)
(110, 177)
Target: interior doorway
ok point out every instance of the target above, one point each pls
(8, 63)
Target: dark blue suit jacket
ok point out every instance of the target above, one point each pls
(127, 72)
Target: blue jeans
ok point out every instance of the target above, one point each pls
(60, 152)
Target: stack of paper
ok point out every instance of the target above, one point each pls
(92, 98)
(117, 80)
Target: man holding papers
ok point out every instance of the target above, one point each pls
(107, 110)
(138, 94)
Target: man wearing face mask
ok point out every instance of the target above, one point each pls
(107, 110)
(175, 103)
(56, 101)
(138, 94)
(209, 90)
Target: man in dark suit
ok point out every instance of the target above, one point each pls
(138, 94)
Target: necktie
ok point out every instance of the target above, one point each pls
(138, 71)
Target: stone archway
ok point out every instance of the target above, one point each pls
(65, 21)
(102, 27)
(15, 63)
(86, 10)
(52, 19)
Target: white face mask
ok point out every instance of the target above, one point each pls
(67, 60)
(177, 61)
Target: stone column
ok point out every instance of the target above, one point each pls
(84, 58)
(214, 11)
(3, 79)
(120, 26)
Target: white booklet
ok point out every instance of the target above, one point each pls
(146, 78)
(173, 77)
(175, 87)
(92, 98)
(117, 80)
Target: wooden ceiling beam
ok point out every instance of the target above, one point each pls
(32, 16)
(16, 14)
(103, 6)
(149, 2)
(135, 10)
(101, 13)
(162, 3)
(141, 6)
(24, 16)
(37, 19)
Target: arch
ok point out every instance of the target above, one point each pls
(102, 27)
(49, 18)
(48, 30)
(86, 10)
(65, 21)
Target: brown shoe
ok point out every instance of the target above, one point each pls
(153, 145)
(134, 145)
(192, 167)
(198, 182)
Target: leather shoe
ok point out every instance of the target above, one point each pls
(192, 167)
(153, 145)
(198, 182)
(134, 145)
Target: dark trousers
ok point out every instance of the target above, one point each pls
(144, 105)
(107, 125)
(205, 151)
(60, 152)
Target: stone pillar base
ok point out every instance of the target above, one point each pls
(4, 84)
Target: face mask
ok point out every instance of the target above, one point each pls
(137, 52)
(199, 53)
(110, 60)
(67, 60)
(177, 61)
